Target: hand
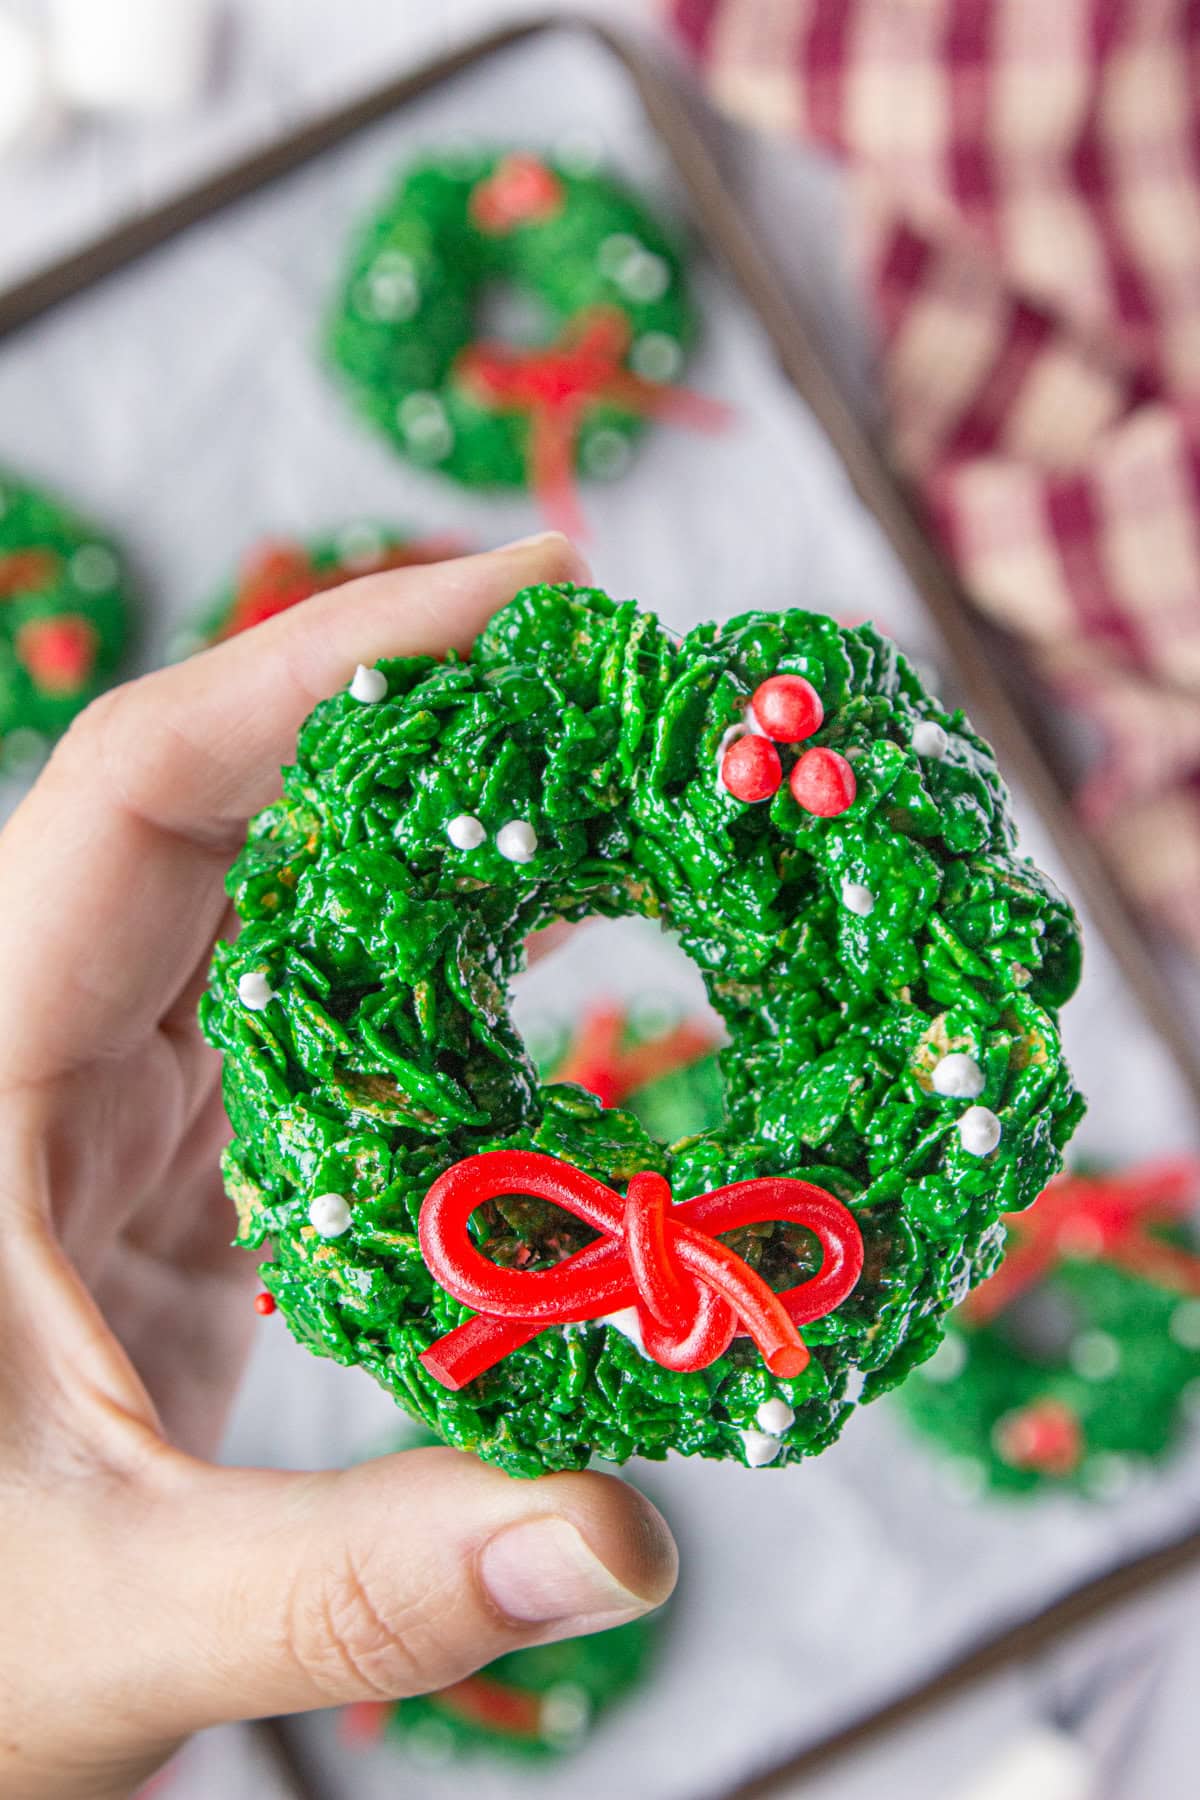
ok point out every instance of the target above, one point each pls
(147, 1592)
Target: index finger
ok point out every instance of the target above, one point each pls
(111, 871)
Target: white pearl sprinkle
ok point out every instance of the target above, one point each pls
(656, 356)
(948, 1360)
(94, 568)
(368, 686)
(564, 1713)
(615, 252)
(761, 1447)
(606, 453)
(645, 276)
(1095, 1355)
(23, 751)
(360, 544)
(329, 1215)
(255, 991)
(517, 841)
(857, 899)
(979, 1131)
(465, 832)
(428, 433)
(958, 1077)
(775, 1417)
(928, 739)
(964, 1478)
(1184, 1324)
(1107, 1476)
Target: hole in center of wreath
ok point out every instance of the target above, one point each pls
(516, 316)
(616, 1007)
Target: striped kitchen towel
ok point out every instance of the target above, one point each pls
(1025, 184)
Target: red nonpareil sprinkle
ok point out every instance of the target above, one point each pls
(59, 653)
(751, 769)
(692, 1292)
(1044, 1437)
(264, 1304)
(822, 782)
(788, 708)
(521, 190)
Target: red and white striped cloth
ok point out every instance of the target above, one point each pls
(1025, 179)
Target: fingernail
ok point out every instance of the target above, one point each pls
(539, 537)
(543, 1572)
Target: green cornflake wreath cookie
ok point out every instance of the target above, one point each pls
(537, 1702)
(279, 573)
(1077, 1365)
(405, 332)
(63, 618)
(887, 968)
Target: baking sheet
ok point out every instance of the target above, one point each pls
(184, 404)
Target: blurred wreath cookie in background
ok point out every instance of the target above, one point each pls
(538, 1702)
(280, 572)
(64, 619)
(1078, 1364)
(515, 231)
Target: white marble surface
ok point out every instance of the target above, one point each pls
(184, 403)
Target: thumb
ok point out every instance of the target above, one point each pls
(273, 1593)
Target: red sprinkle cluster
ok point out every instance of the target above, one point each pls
(1044, 1436)
(59, 653)
(521, 190)
(787, 709)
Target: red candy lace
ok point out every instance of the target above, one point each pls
(693, 1294)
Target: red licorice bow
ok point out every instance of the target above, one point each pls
(693, 1294)
(1106, 1217)
(555, 386)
